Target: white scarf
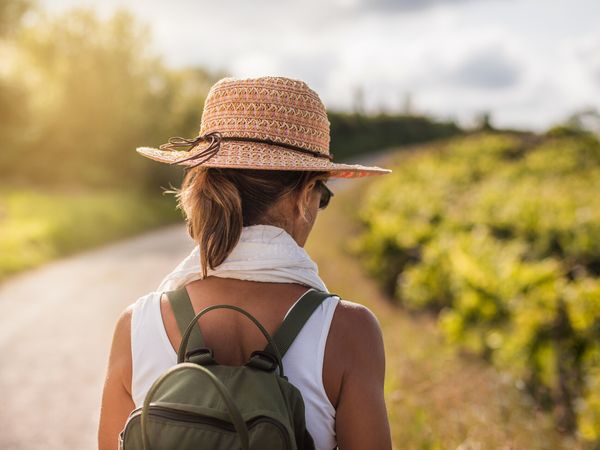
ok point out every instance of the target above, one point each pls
(264, 253)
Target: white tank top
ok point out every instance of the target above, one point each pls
(152, 354)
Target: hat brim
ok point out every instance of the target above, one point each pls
(256, 155)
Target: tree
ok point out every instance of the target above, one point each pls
(484, 121)
(13, 96)
(11, 13)
(96, 90)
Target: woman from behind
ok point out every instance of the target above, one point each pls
(251, 198)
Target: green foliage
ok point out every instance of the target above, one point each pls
(11, 13)
(81, 93)
(500, 235)
(582, 299)
(38, 226)
(354, 133)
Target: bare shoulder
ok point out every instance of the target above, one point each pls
(123, 325)
(120, 353)
(356, 321)
(122, 332)
(356, 312)
(356, 333)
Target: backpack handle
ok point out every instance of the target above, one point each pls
(234, 412)
(188, 332)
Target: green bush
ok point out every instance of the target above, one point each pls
(500, 235)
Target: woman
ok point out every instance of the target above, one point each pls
(250, 199)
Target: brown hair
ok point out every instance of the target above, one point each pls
(218, 202)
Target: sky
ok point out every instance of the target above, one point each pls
(530, 63)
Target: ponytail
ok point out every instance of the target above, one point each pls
(218, 202)
(213, 210)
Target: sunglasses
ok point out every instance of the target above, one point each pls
(326, 194)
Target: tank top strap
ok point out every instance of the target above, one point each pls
(151, 349)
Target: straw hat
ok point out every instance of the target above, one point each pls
(274, 123)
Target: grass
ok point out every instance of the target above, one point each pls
(38, 226)
(436, 398)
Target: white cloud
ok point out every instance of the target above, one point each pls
(530, 62)
(488, 68)
(255, 64)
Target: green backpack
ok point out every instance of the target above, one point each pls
(199, 404)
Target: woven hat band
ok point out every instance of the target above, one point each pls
(175, 143)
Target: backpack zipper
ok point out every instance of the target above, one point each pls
(190, 417)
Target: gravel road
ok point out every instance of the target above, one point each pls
(56, 332)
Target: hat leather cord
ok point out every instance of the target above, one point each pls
(215, 137)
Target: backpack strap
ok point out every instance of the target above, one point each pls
(184, 314)
(283, 337)
(296, 318)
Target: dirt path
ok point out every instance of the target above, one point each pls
(56, 332)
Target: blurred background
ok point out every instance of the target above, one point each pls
(480, 253)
